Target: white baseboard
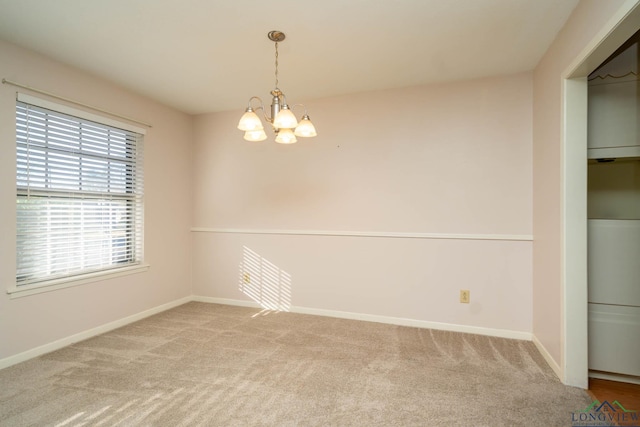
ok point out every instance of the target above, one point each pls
(47, 348)
(478, 330)
(547, 356)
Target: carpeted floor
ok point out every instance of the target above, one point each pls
(215, 365)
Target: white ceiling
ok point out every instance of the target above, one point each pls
(211, 55)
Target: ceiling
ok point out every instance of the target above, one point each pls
(202, 56)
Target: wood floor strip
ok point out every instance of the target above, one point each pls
(626, 394)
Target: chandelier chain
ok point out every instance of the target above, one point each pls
(276, 65)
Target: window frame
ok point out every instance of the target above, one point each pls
(104, 272)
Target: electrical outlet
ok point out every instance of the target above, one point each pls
(246, 278)
(465, 296)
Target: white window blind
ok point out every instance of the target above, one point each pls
(79, 195)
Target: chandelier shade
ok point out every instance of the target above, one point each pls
(250, 121)
(284, 123)
(255, 135)
(305, 128)
(286, 136)
(285, 119)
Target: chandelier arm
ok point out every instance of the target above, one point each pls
(259, 100)
(300, 105)
(284, 99)
(261, 107)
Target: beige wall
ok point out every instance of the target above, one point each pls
(451, 158)
(586, 22)
(37, 320)
(443, 159)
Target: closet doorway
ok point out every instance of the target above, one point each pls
(613, 212)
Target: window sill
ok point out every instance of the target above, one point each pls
(68, 282)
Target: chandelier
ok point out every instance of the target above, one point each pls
(284, 123)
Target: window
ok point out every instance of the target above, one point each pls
(79, 198)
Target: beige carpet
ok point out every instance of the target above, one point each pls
(216, 365)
